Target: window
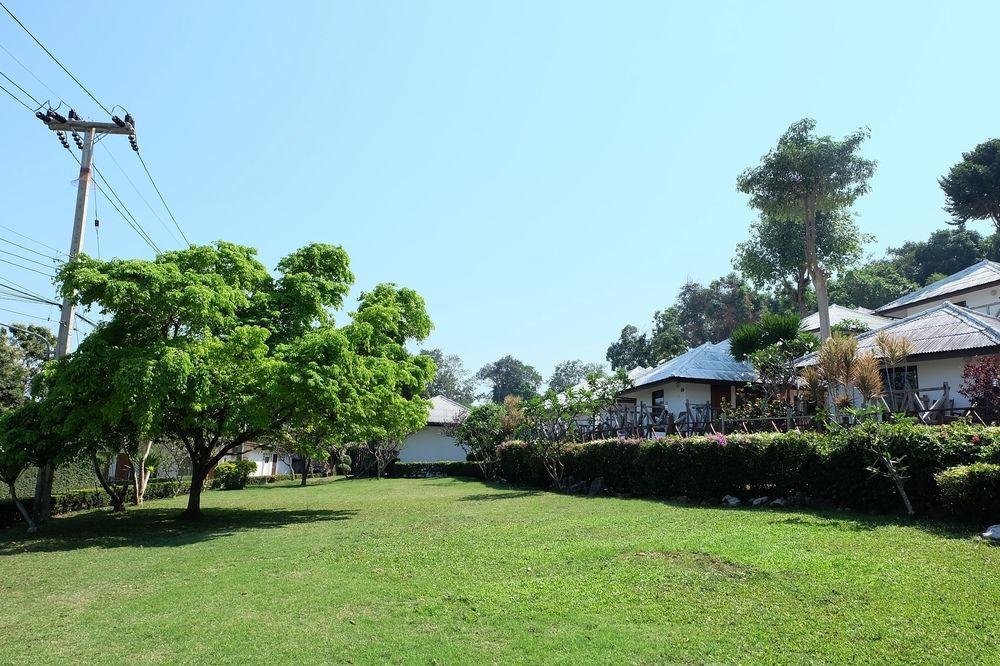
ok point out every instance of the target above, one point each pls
(900, 379)
(658, 398)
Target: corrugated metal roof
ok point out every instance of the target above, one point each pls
(941, 329)
(978, 275)
(707, 362)
(839, 313)
(444, 411)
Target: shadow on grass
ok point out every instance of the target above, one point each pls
(155, 528)
(851, 522)
(509, 494)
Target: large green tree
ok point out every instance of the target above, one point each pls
(710, 314)
(972, 187)
(509, 376)
(945, 252)
(805, 175)
(630, 350)
(206, 347)
(451, 379)
(570, 373)
(871, 285)
(774, 256)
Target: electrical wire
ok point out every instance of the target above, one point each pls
(55, 59)
(16, 85)
(25, 68)
(23, 258)
(25, 247)
(27, 268)
(17, 99)
(169, 212)
(18, 233)
(150, 207)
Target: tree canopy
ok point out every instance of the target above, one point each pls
(509, 376)
(803, 176)
(451, 379)
(569, 373)
(206, 347)
(972, 187)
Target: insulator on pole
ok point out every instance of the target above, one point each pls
(77, 140)
(58, 116)
(118, 121)
(74, 115)
(44, 118)
(132, 140)
(62, 139)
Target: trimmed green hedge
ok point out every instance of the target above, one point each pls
(827, 468)
(971, 491)
(422, 470)
(80, 500)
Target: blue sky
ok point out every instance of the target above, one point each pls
(542, 172)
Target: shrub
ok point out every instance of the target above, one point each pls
(971, 492)
(980, 386)
(829, 467)
(233, 475)
(424, 470)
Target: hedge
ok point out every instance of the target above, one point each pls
(826, 468)
(971, 491)
(423, 470)
(81, 500)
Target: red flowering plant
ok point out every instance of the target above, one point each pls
(981, 386)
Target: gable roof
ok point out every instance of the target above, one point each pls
(984, 274)
(838, 313)
(709, 362)
(445, 411)
(939, 330)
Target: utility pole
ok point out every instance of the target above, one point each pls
(75, 125)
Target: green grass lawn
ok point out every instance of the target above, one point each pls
(450, 571)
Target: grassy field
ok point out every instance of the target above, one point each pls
(449, 571)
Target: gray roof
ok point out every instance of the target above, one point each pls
(445, 411)
(709, 362)
(942, 329)
(978, 275)
(839, 313)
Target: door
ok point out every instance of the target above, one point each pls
(720, 394)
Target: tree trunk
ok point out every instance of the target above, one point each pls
(42, 507)
(32, 527)
(305, 470)
(117, 498)
(816, 271)
(198, 475)
(140, 474)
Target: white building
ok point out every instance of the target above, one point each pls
(432, 443)
(976, 288)
(839, 314)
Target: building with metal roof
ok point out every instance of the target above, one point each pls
(977, 287)
(839, 314)
(433, 442)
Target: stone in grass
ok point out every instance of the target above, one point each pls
(596, 487)
(729, 500)
(759, 501)
(992, 533)
(781, 501)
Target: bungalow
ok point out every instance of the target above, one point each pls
(839, 314)
(977, 288)
(432, 442)
(703, 377)
(945, 338)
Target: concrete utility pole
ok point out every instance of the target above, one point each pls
(67, 318)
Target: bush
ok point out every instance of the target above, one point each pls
(84, 499)
(424, 470)
(233, 475)
(828, 467)
(971, 492)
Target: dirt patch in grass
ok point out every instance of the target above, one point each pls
(700, 562)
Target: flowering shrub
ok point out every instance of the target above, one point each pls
(982, 386)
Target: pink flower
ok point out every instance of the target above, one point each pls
(721, 440)
(975, 439)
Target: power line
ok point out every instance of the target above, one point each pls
(169, 212)
(23, 258)
(25, 314)
(16, 98)
(18, 233)
(25, 247)
(16, 85)
(55, 59)
(25, 68)
(151, 210)
(7, 283)
(27, 268)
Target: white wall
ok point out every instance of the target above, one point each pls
(974, 299)
(430, 444)
(936, 373)
(676, 394)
